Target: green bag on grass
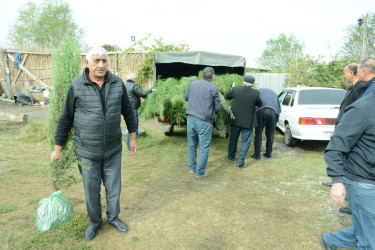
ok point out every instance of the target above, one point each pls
(53, 212)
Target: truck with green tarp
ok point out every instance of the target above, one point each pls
(172, 74)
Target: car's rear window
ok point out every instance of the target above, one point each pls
(321, 97)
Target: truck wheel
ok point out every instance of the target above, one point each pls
(288, 138)
(170, 131)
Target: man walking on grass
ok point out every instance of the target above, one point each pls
(350, 163)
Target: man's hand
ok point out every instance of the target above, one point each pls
(338, 193)
(153, 90)
(234, 84)
(133, 144)
(56, 154)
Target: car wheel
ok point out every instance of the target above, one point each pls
(288, 138)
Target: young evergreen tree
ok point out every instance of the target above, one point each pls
(66, 66)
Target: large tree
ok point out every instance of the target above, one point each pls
(353, 43)
(281, 53)
(44, 25)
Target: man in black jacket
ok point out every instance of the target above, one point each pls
(350, 162)
(245, 98)
(355, 91)
(135, 93)
(94, 104)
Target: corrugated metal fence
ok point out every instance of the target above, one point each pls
(274, 81)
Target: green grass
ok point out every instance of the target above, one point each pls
(273, 204)
(6, 208)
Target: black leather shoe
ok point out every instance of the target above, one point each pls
(233, 159)
(91, 231)
(255, 157)
(267, 156)
(328, 184)
(120, 226)
(324, 244)
(242, 166)
(346, 210)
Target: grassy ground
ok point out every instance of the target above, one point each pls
(272, 204)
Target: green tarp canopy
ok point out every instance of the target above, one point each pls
(189, 63)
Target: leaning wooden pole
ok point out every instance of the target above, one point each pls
(7, 73)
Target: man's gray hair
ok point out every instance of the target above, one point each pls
(97, 51)
(132, 76)
(208, 73)
(248, 84)
(369, 64)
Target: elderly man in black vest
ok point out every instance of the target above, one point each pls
(245, 98)
(94, 104)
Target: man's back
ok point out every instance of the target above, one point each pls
(269, 99)
(203, 100)
(243, 107)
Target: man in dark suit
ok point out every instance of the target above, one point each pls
(245, 98)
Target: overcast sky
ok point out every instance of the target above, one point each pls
(238, 27)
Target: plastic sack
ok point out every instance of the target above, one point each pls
(53, 212)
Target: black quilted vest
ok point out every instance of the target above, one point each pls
(97, 135)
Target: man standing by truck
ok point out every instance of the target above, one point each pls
(203, 103)
(135, 93)
(267, 116)
(245, 98)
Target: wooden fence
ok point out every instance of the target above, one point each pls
(31, 71)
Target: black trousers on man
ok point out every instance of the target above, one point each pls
(267, 118)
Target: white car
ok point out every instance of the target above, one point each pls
(309, 113)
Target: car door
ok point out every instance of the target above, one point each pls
(285, 99)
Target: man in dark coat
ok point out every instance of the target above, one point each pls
(135, 93)
(245, 98)
(93, 106)
(267, 116)
(355, 91)
(366, 73)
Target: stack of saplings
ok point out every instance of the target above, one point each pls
(168, 100)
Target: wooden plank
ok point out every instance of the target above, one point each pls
(7, 73)
(18, 73)
(29, 73)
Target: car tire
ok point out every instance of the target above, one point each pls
(288, 138)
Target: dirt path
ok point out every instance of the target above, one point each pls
(16, 111)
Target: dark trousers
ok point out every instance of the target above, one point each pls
(267, 118)
(247, 134)
(108, 171)
(137, 121)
